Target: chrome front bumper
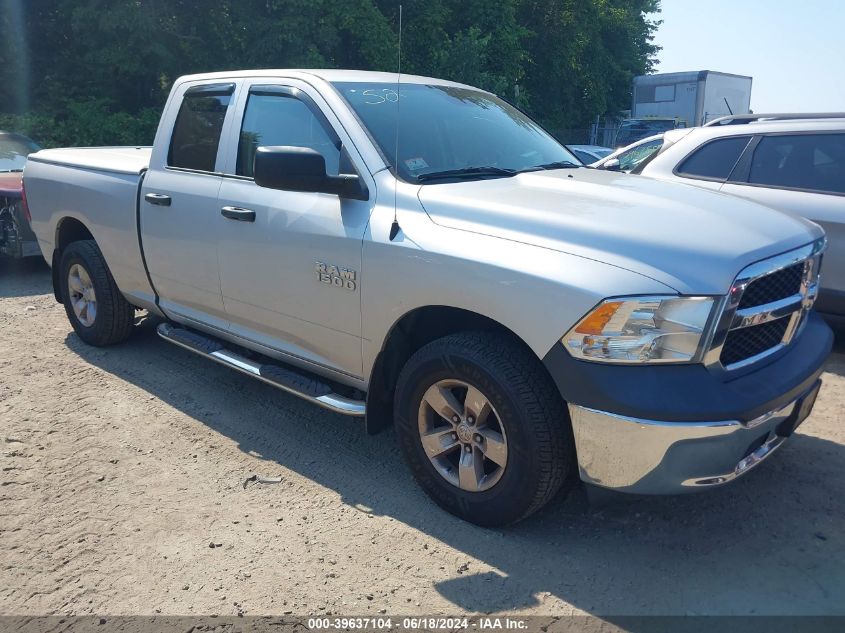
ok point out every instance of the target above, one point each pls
(653, 457)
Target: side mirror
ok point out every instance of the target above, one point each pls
(302, 169)
(612, 165)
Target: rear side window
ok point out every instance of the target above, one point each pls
(715, 160)
(811, 162)
(274, 119)
(196, 134)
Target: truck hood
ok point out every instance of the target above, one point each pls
(691, 239)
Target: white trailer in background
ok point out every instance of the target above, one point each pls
(668, 101)
(693, 98)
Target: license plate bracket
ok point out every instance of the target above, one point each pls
(801, 411)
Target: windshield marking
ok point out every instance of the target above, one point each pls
(451, 131)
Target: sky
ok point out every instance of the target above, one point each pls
(794, 50)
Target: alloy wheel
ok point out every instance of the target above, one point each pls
(82, 296)
(462, 435)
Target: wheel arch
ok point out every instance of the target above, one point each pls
(409, 333)
(68, 230)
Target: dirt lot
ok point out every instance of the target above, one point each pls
(122, 492)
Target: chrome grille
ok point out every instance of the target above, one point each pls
(778, 285)
(751, 341)
(766, 306)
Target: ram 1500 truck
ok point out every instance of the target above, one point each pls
(423, 254)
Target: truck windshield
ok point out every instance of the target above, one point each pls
(452, 132)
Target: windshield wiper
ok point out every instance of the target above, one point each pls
(467, 172)
(9, 171)
(561, 164)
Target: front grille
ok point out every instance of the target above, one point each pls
(778, 285)
(744, 343)
(750, 327)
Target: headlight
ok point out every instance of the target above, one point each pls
(642, 330)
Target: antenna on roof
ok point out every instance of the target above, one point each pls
(394, 228)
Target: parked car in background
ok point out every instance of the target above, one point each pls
(589, 154)
(792, 162)
(16, 236)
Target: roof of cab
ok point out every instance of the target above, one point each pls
(328, 74)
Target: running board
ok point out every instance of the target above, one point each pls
(299, 384)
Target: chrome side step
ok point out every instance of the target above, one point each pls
(299, 384)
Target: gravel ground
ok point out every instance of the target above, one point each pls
(122, 492)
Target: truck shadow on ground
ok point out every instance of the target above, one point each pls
(836, 363)
(770, 543)
(25, 277)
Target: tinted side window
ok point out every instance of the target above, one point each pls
(196, 134)
(815, 162)
(282, 120)
(716, 159)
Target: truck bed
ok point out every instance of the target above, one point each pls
(98, 187)
(122, 160)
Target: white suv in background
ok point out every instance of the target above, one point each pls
(792, 162)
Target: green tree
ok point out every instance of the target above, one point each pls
(98, 71)
(584, 56)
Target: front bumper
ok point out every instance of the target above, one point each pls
(669, 429)
(653, 457)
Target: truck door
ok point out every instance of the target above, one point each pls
(179, 211)
(290, 262)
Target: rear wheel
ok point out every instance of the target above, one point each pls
(483, 428)
(98, 312)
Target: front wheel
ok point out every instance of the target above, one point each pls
(483, 428)
(98, 312)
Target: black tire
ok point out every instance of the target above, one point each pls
(115, 316)
(541, 453)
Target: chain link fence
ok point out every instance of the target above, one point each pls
(602, 133)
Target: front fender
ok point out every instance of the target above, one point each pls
(537, 293)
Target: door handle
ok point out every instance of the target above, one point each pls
(238, 213)
(158, 199)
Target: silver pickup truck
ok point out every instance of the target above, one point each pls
(424, 255)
